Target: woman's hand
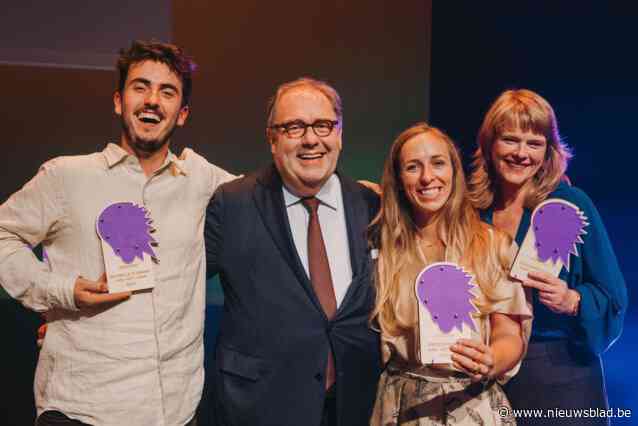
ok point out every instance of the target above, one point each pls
(483, 362)
(473, 357)
(553, 292)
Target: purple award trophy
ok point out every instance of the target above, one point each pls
(124, 229)
(557, 225)
(444, 292)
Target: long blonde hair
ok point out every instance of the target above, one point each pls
(528, 111)
(467, 239)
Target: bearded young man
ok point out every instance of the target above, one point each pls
(123, 358)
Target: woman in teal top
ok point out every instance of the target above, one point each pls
(520, 162)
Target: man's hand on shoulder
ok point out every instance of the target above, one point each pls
(373, 186)
(90, 294)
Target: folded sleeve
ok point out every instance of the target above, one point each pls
(28, 217)
(601, 286)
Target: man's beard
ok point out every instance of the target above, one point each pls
(146, 147)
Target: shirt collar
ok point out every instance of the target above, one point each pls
(115, 154)
(328, 195)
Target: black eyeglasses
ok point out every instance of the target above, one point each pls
(297, 128)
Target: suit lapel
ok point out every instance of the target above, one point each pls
(356, 222)
(357, 215)
(270, 204)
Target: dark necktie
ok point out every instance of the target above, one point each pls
(320, 274)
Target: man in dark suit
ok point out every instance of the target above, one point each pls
(289, 244)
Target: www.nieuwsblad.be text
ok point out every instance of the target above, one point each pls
(563, 413)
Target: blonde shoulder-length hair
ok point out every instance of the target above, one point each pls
(468, 241)
(528, 111)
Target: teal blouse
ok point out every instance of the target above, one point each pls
(594, 273)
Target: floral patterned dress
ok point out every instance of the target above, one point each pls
(411, 394)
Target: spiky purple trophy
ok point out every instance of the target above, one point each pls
(557, 228)
(445, 291)
(126, 228)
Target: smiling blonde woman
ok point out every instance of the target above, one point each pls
(521, 161)
(426, 217)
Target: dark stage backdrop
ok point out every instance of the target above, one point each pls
(376, 54)
(580, 56)
(77, 33)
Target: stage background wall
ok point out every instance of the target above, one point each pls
(77, 33)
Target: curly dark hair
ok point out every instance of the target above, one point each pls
(168, 54)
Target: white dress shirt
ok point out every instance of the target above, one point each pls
(332, 220)
(139, 362)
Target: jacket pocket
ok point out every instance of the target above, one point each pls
(239, 388)
(239, 364)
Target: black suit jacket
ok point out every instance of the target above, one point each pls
(274, 337)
